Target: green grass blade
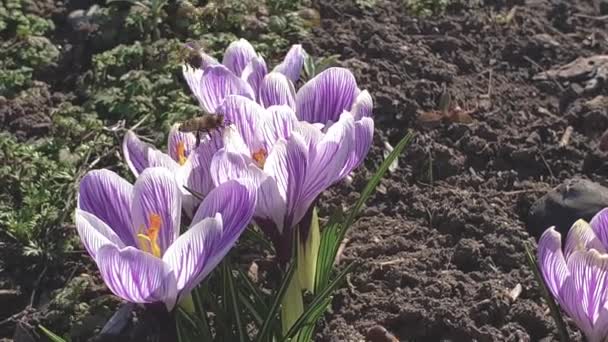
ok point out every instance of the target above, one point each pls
(254, 291)
(195, 331)
(202, 314)
(233, 298)
(258, 238)
(329, 240)
(555, 313)
(318, 306)
(253, 311)
(52, 336)
(274, 307)
(375, 180)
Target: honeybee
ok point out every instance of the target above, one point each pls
(204, 123)
(191, 54)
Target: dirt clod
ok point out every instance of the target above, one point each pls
(574, 199)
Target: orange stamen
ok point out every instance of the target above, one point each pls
(148, 238)
(260, 157)
(181, 153)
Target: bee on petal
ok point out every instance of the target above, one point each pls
(203, 123)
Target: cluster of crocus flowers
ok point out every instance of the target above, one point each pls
(302, 142)
(577, 276)
(281, 150)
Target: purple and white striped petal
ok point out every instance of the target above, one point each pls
(195, 174)
(135, 153)
(249, 118)
(363, 106)
(600, 328)
(327, 159)
(287, 164)
(282, 121)
(193, 77)
(207, 61)
(599, 224)
(95, 233)
(140, 155)
(137, 276)
(217, 83)
(584, 292)
(551, 260)
(156, 194)
(233, 142)
(180, 144)
(189, 256)
(312, 133)
(364, 136)
(106, 195)
(237, 55)
(581, 238)
(234, 201)
(276, 89)
(229, 166)
(326, 96)
(254, 73)
(293, 63)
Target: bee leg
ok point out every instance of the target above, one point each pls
(198, 138)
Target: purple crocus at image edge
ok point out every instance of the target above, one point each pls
(577, 276)
(132, 232)
(295, 153)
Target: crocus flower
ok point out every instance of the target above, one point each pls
(190, 163)
(324, 98)
(578, 276)
(242, 72)
(298, 160)
(132, 232)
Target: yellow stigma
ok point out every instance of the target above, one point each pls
(260, 157)
(181, 153)
(148, 238)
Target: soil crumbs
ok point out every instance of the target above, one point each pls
(440, 246)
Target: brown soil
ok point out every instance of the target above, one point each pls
(440, 246)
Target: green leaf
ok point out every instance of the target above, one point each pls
(375, 180)
(257, 238)
(253, 311)
(202, 314)
(555, 313)
(233, 299)
(251, 290)
(274, 307)
(53, 337)
(188, 326)
(318, 306)
(329, 240)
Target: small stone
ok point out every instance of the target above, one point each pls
(379, 333)
(561, 207)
